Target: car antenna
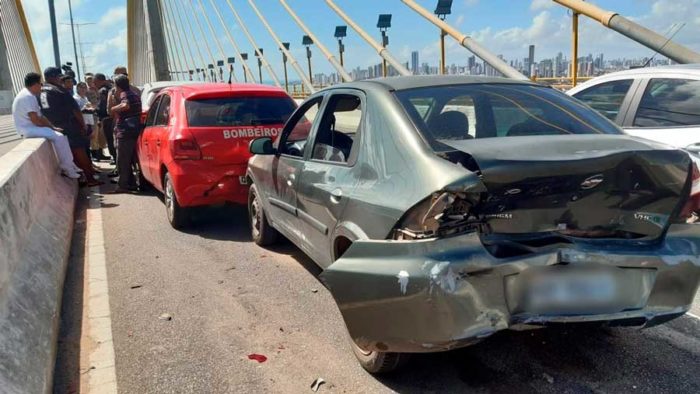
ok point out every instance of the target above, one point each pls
(230, 73)
(682, 25)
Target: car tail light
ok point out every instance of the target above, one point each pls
(184, 147)
(691, 211)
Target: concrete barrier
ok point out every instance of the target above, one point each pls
(36, 224)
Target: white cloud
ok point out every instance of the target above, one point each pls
(113, 16)
(537, 5)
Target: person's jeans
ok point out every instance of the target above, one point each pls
(59, 142)
(108, 130)
(126, 153)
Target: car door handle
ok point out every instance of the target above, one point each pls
(336, 194)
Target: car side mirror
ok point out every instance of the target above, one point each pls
(261, 146)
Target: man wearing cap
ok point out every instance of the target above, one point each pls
(30, 123)
(62, 111)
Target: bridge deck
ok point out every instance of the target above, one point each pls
(8, 136)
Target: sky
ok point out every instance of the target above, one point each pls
(505, 27)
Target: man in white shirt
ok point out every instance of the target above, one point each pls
(30, 123)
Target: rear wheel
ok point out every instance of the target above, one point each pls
(177, 215)
(376, 362)
(260, 229)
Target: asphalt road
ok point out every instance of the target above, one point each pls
(229, 298)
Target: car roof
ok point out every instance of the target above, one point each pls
(679, 68)
(423, 81)
(164, 84)
(222, 88)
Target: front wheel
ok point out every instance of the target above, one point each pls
(376, 362)
(177, 215)
(262, 232)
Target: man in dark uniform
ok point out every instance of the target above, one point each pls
(59, 107)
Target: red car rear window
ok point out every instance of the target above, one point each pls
(238, 111)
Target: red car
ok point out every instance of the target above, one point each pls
(194, 147)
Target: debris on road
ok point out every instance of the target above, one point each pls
(317, 384)
(165, 316)
(230, 268)
(221, 282)
(136, 287)
(314, 290)
(548, 378)
(257, 357)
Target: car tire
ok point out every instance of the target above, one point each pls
(177, 215)
(261, 231)
(376, 362)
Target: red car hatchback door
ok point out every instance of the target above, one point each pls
(224, 126)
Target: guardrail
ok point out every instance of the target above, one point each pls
(36, 224)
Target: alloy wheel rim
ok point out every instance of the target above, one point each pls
(169, 199)
(255, 216)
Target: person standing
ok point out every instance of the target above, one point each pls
(98, 142)
(127, 116)
(106, 123)
(30, 123)
(61, 110)
(85, 107)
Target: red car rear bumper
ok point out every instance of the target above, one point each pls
(197, 183)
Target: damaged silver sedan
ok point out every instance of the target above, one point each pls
(445, 209)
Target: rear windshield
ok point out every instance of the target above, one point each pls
(461, 112)
(239, 111)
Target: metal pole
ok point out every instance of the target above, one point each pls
(75, 47)
(286, 77)
(261, 57)
(443, 64)
(574, 49)
(284, 50)
(468, 43)
(308, 58)
(54, 34)
(634, 31)
(246, 70)
(383, 52)
(338, 67)
(260, 70)
(340, 50)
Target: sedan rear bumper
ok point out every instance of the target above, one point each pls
(426, 296)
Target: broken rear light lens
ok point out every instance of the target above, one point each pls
(691, 211)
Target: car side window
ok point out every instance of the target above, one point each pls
(606, 97)
(163, 114)
(669, 103)
(339, 129)
(296, 131)
(151, 116)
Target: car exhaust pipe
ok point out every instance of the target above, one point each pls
(612, 20)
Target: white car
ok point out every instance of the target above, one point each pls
(149, 91)
(657, 103)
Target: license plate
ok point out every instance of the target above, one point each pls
(570, 291)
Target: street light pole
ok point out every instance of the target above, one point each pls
(259, 54)
(75, 47)
(284, 64)
(444, 8)
(384, 23)
(54, 34)
(244, 58)
(340, 33)
(307, 42)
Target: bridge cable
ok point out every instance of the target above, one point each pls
(213, 33)
(192, 34)
(11, 41)
(382, 51)
(291, 58)
(173, 58)
(236, 48)
(257, 48)
(201, 32)
(171, 16)
(329, 55)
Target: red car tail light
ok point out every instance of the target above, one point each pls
(184, 147)
(692, 207)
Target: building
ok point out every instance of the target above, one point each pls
(415, 68)
(531, 59)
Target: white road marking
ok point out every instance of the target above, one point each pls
(97, 327)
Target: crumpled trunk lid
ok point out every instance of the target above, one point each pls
(589, 186)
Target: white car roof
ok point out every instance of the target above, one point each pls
(675, 71)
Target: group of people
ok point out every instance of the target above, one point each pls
(82, 120)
